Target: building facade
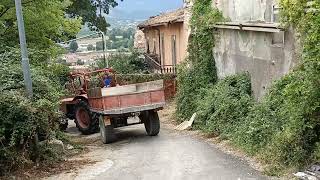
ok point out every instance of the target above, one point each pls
(166, 39)
(253, 41)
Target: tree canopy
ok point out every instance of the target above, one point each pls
(92, 12)
(73, 46)
(50, 21)
(45, 22)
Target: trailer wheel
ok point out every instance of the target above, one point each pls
(106, 132)
(151, 122)
(85, 120)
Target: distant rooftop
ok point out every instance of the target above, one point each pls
(163, 19)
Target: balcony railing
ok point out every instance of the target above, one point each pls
(155, 65)
(168, 69)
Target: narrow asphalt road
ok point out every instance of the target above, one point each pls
(170, 156)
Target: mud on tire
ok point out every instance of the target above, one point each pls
(85, 120)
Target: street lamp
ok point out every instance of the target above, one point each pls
(24, 50)
(105, 61)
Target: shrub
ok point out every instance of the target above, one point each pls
(283, 129)
(22, 118)
(224, 106)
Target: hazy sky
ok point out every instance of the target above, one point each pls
(156, 5)
(143, 8)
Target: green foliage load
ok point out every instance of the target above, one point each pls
(199, 69)
(141, 78)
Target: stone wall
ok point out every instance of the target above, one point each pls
(246, 10)
(267, 56)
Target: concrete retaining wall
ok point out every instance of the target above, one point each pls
(266, 56)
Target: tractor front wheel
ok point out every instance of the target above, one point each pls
(84, 119)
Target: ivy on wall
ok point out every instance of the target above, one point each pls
(283, 130)
(199, 70)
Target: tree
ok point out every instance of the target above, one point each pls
(92, 12)
(43, 28)
(80, 62)
(90, 47)
(99, 45)
(73, 46)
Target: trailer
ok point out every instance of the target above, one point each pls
(116, 106)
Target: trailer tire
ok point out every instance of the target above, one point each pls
(106, 132)
(151, 122)
(85, 120)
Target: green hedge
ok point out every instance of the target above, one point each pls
(223, 107)
(21, 117)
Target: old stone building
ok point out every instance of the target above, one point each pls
(166, 38)
(253, 41)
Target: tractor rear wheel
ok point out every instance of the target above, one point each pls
(151, 122)
(85, 120)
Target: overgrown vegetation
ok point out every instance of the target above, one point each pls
(118, 39)
(225, 105)
(125, 63)
(283, 130)
(25, 120)
(21, 118)
(199, 69)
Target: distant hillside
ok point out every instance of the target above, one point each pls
(130, 12)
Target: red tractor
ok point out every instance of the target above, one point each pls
(77, 106)
(111, 106)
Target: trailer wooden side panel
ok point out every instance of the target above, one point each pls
(147, 97)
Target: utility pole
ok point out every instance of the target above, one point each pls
(24, 50)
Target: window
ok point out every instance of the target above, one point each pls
(275, 13)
